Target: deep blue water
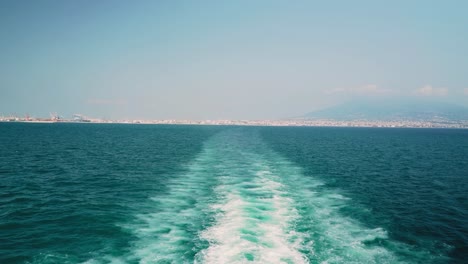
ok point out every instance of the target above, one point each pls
(98, 193)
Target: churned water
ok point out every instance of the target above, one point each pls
(95, 193)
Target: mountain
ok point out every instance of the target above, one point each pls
(386, 110)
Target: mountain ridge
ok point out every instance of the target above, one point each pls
(387, 110)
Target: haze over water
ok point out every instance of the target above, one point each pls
(84, 193)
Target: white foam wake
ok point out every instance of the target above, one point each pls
(240, 202)
(168, 235)
(254, 224)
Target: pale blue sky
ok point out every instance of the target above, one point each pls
(226, 59)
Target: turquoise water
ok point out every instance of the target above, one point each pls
(84, 193)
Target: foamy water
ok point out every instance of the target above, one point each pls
(251, 229)
(229, 195)
(240, 202)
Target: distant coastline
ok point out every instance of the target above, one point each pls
(462, 124)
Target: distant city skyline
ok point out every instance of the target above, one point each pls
(226, 59)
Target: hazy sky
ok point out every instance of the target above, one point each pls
(226, 59)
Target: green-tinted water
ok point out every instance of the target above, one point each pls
(192, 194)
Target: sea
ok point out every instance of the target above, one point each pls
(124, 193)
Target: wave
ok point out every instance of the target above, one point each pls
(240, 202)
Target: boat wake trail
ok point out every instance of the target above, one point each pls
(254, 222)
(240, 202)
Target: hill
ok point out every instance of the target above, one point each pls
(392, 110)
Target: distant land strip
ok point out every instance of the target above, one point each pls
(282, 122)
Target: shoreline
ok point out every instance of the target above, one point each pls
(272, 123)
